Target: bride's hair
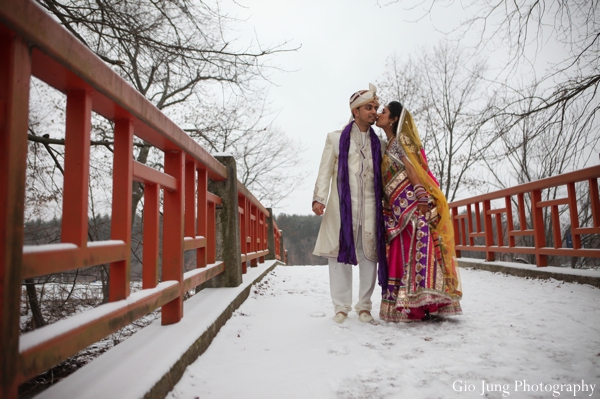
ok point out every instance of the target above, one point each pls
(395, 109)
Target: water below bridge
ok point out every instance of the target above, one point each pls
(517, 337)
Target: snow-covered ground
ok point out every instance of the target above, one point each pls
(514, 335)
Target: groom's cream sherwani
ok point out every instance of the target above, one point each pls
(360, 168)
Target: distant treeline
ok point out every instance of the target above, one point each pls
(299, 237)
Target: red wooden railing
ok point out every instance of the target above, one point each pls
(33, 44)
(468, 225)
(277, 236)
(253, 229)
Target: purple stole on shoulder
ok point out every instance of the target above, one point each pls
(347, 252)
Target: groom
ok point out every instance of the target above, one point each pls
(352, 230)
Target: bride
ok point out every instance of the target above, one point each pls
(422, 279)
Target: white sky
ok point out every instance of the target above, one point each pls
(281, 343)
(344, 46)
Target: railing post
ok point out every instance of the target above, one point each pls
(172, 265)
(211, 234)
(254, 234)
(489, 233)
(77, 168)
(191, 223)
(456, 230)
(121, 207)
(270, 236)
(15, 70)
(261, 236)
(509, 221)
(151, 236)
(243, 220)
(282, 247)
(539, 233)
(574, 215)
(228, 227)
(202, 212)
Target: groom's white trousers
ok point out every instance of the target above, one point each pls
(340, 282)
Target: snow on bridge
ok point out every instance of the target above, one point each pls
(518, 338)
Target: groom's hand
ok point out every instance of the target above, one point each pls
(318, 208)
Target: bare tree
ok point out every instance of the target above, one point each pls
(523, 29)
(523, 156)
(173, 52)
(442, 88)
(266, 157)
(544, 108)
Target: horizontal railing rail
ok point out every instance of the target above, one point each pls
(32, 44)
(474, 218)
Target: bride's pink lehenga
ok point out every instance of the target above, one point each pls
(420, 282)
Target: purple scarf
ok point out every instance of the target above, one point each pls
(347, 253)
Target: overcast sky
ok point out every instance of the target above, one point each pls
(344, 45)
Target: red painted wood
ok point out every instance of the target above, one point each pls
(119, 286)
(15, 69)
(536, 205)
(194, 243)
(263, 236)
(61, 61)
(573, 214)
(244, 192)
(590, 173)
(151, 236)
(539, 233)
(456, 229)
(147, 175)
(585, 253)
(587, 230)
(41, 351)
(522, 212)
(202, 215)
(528, 232)
(190, 200)
(509, 220)
(77, 160)
(210, 197)
(39, 260)
(463, 230)
(211, 241)
(499, 232)
(470, 224)
(489, 233)
(554, 202)
(595, 201)
(244, 227)
(557, 238)
(254, 235)
(172, 263)
(478, 218)
(243, 234)
(196, 277)
(65, 63)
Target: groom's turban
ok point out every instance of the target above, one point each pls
(363, 97)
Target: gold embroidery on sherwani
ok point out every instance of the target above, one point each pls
(370, 244)
(317, 198)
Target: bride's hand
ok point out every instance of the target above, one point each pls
(423, 209)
